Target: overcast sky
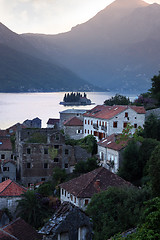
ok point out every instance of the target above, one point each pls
(49, 16)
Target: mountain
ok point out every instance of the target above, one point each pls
(118, 49)
(24, 68)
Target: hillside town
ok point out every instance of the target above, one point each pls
(64, 166)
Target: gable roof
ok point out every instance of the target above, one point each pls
(93, 182)
(59, 216)
(110, 142)
(108, 112)
(5, 144)
(21, 230)
(74, 121)
(11, 188)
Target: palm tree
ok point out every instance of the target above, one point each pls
(31, 208)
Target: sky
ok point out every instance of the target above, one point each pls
(49, 16)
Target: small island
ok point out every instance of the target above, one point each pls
(74, 99)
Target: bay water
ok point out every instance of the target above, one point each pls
(17, 107)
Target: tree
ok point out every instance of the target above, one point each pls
(31, 209)
(59, 175)
(84, 167)
(155, 89)
(152, 127)
(129, 169)
(154, 171)
(116, 210)
(117, 100)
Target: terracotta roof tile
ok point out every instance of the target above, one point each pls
(92, 182)
(108, 112)
(22, 230)
(11, 188)
(74, 121)
(110, 142)
(6, 236)
(5, 144)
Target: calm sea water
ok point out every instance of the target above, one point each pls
(17, 107)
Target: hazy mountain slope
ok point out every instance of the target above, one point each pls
(101, 50)
(20, 72)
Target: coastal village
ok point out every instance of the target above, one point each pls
(31, 155)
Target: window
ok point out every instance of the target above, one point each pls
(45, 165)
(135, 125)
(97, 123)
(103, 124)
(66, 151)
(11, 156)
(66, 165)
(43, 179)
(91, 132)
(2, 156)
(71, 198)
(28, 151)
(56, 159)
(88, 122)
(86, 202)
(62, 191)
(115, 124)
(91, 122)
(85, 121)
(88, 131)
(4, 178)
(65, 193)
(45, 150)
(126, 114)
(74, 199)
(5, 169)
(28, 165)
(100, 123)
(85, 130)
(56, 146)
(9, 202)
(57, 137)
(125, 124)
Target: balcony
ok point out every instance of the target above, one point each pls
(104, 128)
(95, 126)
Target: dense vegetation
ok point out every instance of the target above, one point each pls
(117, 100)
(73, 97)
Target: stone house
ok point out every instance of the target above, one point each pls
(20, 230)
(6, 152)
(7, 170)
(68, 223)
(53, 123)
(102, 121)
(79, 190)
(34, 123)
(36, 160)
(110, 153)
(73, 128)
(69, 113)
(10, 192)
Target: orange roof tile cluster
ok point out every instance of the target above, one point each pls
(108, 112)
(53, 121)
(5, 144)
(110, 142)
(86, 185)
(74, 121)
(11, 188)
(20, 230)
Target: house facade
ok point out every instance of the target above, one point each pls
(73, 128)
(40, 151)
(68, 223)
(7, 170)
(10, 192)
(110, 153)
(102, 121)
(79, 191)
(53, 123)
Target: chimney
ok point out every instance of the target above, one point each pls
(97, 185)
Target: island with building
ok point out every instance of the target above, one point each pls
(75, 99)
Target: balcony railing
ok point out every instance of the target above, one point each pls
(95, 126)
(104, 128)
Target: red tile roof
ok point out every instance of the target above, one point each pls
(92, 182)
(4, 133)
(11, 188)
(6, 236)
(110, 142)
(74, 121)
(108, 112)
(5, 144)
(21, 230)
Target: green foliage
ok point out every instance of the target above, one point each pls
(84, 167)
(117, 100)
(7, 212)
(116, 210)
(154, 170)
(37, 137)
(13, 142)
(59, 175)
(129, 170)
(152, 128)
(155, 89)
(73, 97)
(53, 152)
(31, 209)
(46, 189)
(89, 143)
